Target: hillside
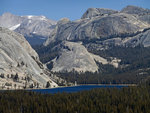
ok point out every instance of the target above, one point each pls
(19, 64)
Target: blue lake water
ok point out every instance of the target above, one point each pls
(76, 88)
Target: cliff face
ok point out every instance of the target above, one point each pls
(19, 63)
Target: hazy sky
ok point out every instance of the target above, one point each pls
(57, 9)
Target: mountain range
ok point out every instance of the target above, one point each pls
(108, 24)
(98, 29)
(112, 44)
(35, 29)
(102, 46)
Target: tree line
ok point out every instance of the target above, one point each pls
(102, 100)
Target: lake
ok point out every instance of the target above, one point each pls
(76, 88)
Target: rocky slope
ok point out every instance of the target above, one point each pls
(68, 56)
(98, 29)
(19, 63)
(36, 29)
(75, 57)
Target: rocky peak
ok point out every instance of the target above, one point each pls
(8, 20)
(135, 10)
(36, 29)
(7, 14)
(93, 12)
(63, 21)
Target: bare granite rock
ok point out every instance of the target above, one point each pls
(20, 64)
(74, 56)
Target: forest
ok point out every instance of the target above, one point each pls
(101, 100)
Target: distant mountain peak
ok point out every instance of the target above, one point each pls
(7, 14)
(130, 9)
(34, 28)
(63, 20)
(33, 17)
(93, 12)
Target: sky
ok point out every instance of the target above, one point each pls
(57, 9)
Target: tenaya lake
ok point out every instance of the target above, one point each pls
(72, 89)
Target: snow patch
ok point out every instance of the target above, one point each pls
(29, 21)
(43, 18)
(30, 16)
(14, 27)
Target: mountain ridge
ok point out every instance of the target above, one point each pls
(98, 27)
(36, 29)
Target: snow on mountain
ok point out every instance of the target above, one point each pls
(32, 27)
(14, 27)
(29, 16)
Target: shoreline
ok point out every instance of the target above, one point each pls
(112, 84)
(129, 85)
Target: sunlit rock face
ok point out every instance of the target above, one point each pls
(19, 63)
(74, 56)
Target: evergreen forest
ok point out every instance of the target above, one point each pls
(102, 100)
